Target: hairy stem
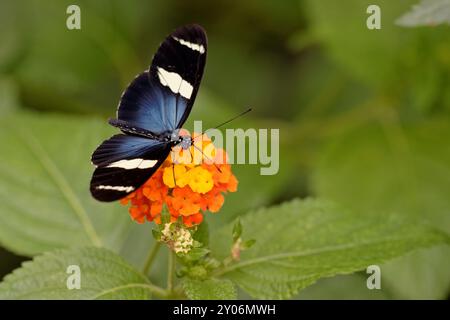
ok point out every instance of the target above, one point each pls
(171, 271)
(151, 257)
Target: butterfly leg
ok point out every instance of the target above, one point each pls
(206, 157)
(192, 156)
(173, 173)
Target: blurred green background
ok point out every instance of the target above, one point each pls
(363, 114)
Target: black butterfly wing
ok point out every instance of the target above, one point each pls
(123, 163)
(160, 100)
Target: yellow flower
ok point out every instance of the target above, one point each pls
(200, 180)
(180, 177)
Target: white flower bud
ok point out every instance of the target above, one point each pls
(177, 238)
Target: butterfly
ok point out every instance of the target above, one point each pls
(151, 111)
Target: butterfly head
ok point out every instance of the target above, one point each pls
(184, 140)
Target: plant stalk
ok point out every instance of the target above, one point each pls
(151, 257)
(171, 271)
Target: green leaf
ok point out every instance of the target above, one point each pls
(195, 254)
(202, 234)
(300, 242)
(426, 13)
(103, 275)
(247, 244)
(211, 289)
(237, 230)
(45, 171)
(403, 169)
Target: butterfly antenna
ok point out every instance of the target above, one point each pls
(224, 123)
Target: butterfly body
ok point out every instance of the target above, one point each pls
(171, 137)
(151, 112)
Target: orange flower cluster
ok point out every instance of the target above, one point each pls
(189, 182)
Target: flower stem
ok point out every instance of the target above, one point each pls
(151, 257)
(171, 271)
